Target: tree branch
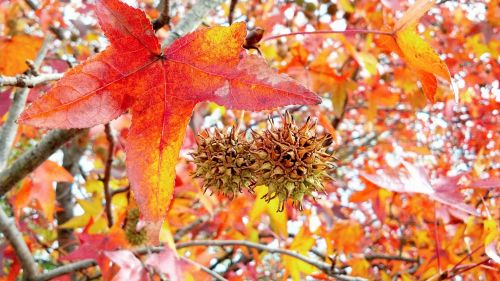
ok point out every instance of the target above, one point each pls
(56, 30)
(191, 20)
(7, 136)
(35, 156)
(107, 174)
(9, 129)
(164, 18)
(371, 257)
(181, 232)
(232, 6)
(120, 190)
(16, 239)
(28, 81)
(204, 269)
(65, 269)
(326, 268)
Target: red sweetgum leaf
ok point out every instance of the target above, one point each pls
(166, 262)
(161, 91)
(95, 246)
(414, 179)
(130, 266)
(488, 183)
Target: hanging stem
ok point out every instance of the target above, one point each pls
(320, 32)
(107, 174)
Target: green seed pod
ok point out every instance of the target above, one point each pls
(134, 237)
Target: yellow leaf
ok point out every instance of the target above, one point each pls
(339, 94)
(419, 54)
(368, 62)
(360, 267)
(490, 230)
(278, 219)
(407, 277)
(94, 187)
(346, 5)
(92, 210)
(302, 243)
(166, 236)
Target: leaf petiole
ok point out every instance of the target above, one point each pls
(321, 32)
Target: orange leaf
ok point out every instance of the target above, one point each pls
(15, 51)
(416, 52)
(161, 89)
(419, 54)
(39, 187)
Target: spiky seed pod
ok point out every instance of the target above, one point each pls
(292, 161)
(223, 162)
(134, 237)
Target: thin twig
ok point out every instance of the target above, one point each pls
(325, 267)
(232, 6)
(227, 255)
(164, 18)
(29, 81)
(322, 32)
(204, 269)
(58, 32)
(107, 174)
(9, 129)
(16, 239)
(120, 190)
(466, 267)
(186, 229)
(436, 238)
(65, 269)
(370, 257)
(464, 258)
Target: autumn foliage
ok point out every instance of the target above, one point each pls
(352, 140)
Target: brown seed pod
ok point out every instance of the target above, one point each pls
(253, 38)
(223, 162)
(292, 161)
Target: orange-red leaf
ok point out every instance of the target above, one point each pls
(161, 90)
(15, 51)
(419, 54)
(39, 187)
(416, 52)
(95, 246)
